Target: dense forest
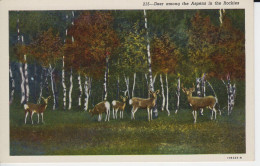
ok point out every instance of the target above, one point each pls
(83, 57)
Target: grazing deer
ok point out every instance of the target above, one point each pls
(35, 108)
(144, 103)
(200, 102)
(117, 105)
(101, 107)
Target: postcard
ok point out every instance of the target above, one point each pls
(124, 81)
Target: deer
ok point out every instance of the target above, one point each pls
(117, 105)
(148, 104)
(197, 103)
(102, 107)
(35, 108)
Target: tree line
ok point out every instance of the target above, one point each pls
(113, 53)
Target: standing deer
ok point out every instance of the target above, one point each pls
(200, 102)
(144, 103)
(35, 108)
(117, 105)
(101, 107)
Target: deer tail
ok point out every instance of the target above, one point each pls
(130, 101)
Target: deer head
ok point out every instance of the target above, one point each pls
(189, 91)
(154, 94)
(91, 112)
(46, 100)
(124, 98)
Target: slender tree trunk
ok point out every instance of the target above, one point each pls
(127, 85)
(221, 12)
(80, 90)
(51, 70)
(63, 83)
(87, 88)
(22, 83)
(41, 87)
(133, 90)
(71, 87)
(231, 91)
(151, 87)
(163, 96)
(203, 85)
(167, 94)
(12, 85)
(198, 89)
(178, 93)
(106, 79)
(27, 89)
(21, 69)
(118, 88)
(147, 83)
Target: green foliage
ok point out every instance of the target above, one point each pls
(131, 56)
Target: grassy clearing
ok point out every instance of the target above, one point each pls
(76, 133)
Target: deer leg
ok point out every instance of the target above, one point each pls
(151, 114)
(26, 114)
(32, 117)
(99, 117)
(108, 114)
(132, 111)
(113, 113)
(215, 112)
(201, 111)
(135, 112)
(116, 112)
(42, 118)
(122, 114)
(195, 116)
(148, 112)
(38, 117)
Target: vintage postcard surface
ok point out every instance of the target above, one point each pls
(121, 80)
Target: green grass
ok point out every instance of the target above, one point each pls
(76, 133)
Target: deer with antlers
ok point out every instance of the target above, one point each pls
(35, 108)
(144, 103)
(200, 102)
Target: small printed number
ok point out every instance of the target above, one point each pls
(145, 3)
(234, 158)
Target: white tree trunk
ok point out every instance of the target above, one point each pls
(27, 89)
(51, 70)
(167, 94)
(12, 85)
(63, 82)
(127, 85)
(151, 87)
(178, 93)
(80, 90)
(22, 83)
(147, 83)
(163, 96)
(71, 87)
(106, 79)
(198, 87)
(133, 90)
(221, 12)
(87, 89)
